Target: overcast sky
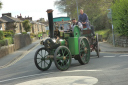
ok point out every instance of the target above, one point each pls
(33, 8)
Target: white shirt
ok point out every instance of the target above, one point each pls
(79, 25)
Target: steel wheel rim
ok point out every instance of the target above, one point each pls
(42, 61)
(63, 58)
(84, 56)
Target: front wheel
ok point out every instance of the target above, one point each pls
(62, 58)
(42, 59)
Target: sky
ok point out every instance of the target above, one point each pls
(32, 8)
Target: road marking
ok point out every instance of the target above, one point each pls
(17, 59)
(24, 77)
(123, 56)
(44, 74)
(63, 80)
(82, 70)
(109, 56)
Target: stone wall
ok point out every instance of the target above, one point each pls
(5, 50)
(21, 41)
(119, 41)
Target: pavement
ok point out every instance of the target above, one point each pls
(4, 61)
(109, 69)
(106, 47)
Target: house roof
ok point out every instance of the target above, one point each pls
(10, 19)
(2, 20)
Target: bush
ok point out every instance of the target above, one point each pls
(24, 32)
(8, 33)
(104, 33)
(10, 40)
(2, 43)
(120, 16)
(1, 35)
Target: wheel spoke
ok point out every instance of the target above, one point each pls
(46, 62)
(67, 54)
(59, 58)
(38, 58)
(40, 55)
(39, 62)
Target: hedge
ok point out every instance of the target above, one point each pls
(2, 43)
(120, 16)
(1, 35)
(10, 40)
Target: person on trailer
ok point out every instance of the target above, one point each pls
(76, 23)
(92, 28)
(83, 18)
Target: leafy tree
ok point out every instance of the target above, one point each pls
(95, 9)
(27, 25)
(0, 4)
(120, 16)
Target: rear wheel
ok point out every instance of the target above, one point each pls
(62, 58)
(42, 59)
(84, 51)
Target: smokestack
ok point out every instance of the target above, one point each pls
(50, 19)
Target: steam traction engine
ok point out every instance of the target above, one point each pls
(62, 50)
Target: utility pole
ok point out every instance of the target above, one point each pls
(77, 9)
(110, 16)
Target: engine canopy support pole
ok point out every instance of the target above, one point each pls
(50, 19)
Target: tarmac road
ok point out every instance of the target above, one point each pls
(109, 69)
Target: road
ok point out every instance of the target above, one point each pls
(109, 69)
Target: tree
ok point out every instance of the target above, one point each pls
(0, 4)
(95, 9)
(120, 16)
(27, 25)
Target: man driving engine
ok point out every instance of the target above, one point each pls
(76, 23)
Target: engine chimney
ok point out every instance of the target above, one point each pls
(50, 19)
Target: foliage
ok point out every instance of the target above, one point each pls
(32, 35)
(95, 9)
(120, 16)
(1, 4)
(24, 32)
(1, 35)
(104, 33)
(2, 43)
(27, 25)
(10, 40)
(8, 33)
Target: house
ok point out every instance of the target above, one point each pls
(3, 24)
(34, 28)
(26, 18)
(13, 23)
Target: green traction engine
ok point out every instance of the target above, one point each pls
(62, 50)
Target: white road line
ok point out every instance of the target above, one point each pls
(108, 56)
(44, 74)
(24, 77)
(123, 56)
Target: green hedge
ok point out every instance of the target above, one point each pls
(8, 33)
(2, 43)
(105, 33)
(10, 40)
(1, 35)
(120, 16)
(24, 32)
